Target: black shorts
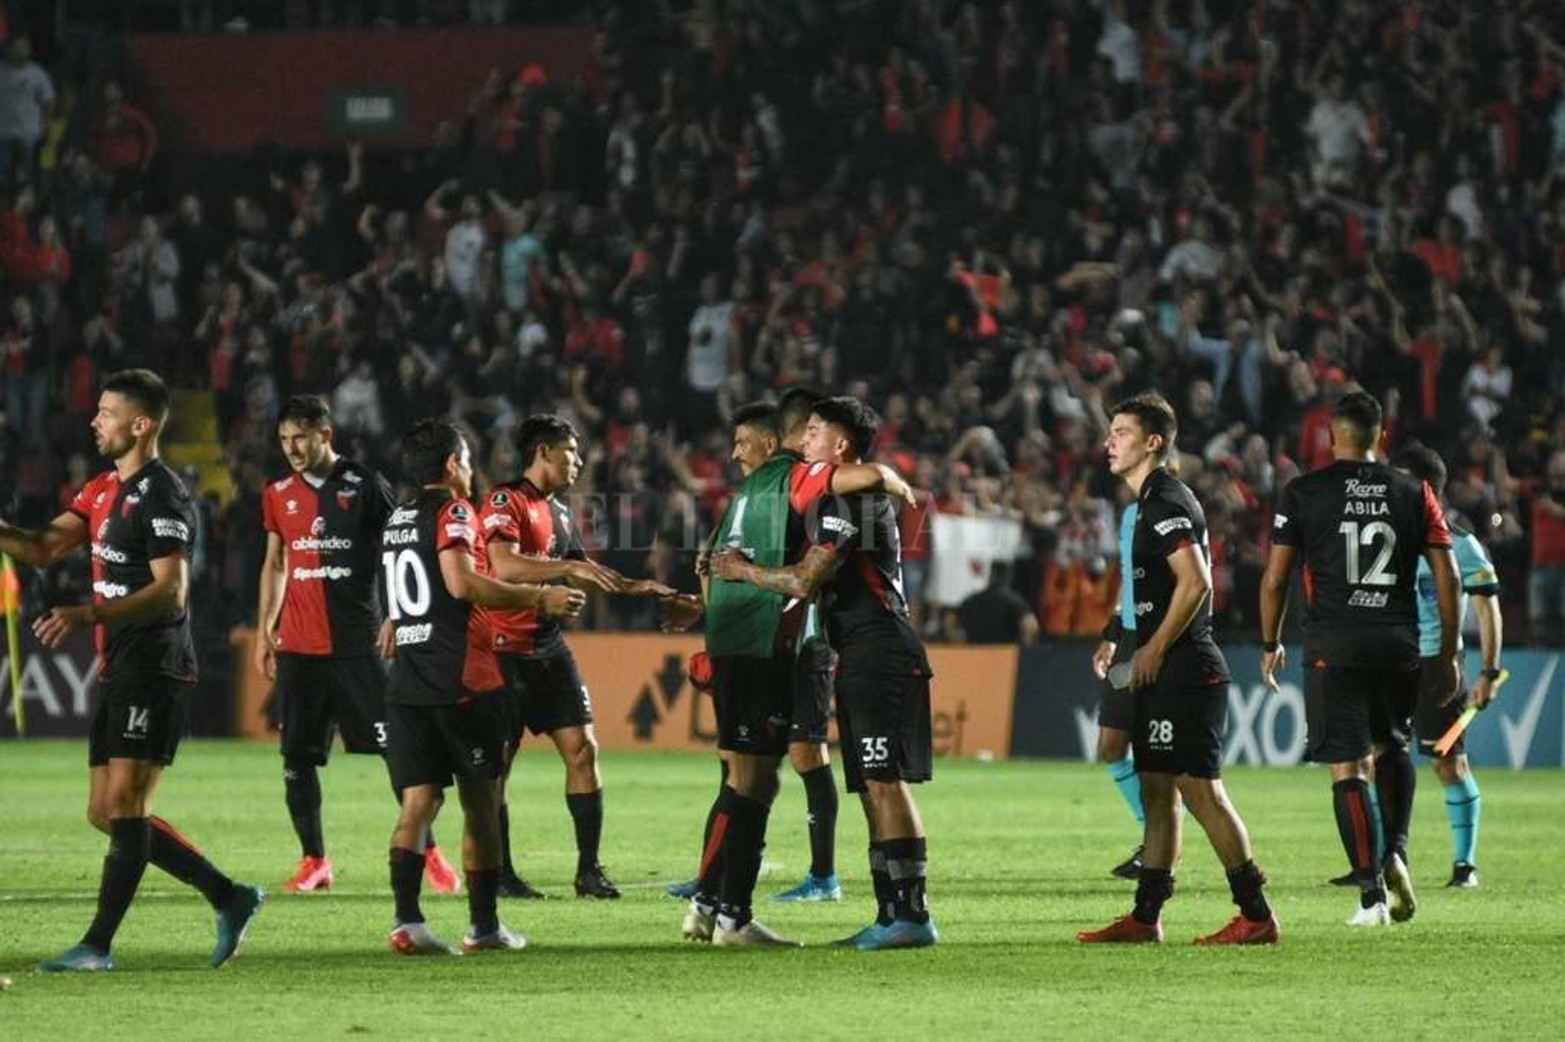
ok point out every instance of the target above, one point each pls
(1431, 719)
(317, 697)
(814, 668)
(431, 745)
(138, 718)
(546, 694)
(883, 721)
(1348, 710)
(752, 698)
(1117, 708)
(1179, 729)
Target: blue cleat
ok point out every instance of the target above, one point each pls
(233, 921)
(814, 888)
(683, 891)
(900, 933)
(83, 958)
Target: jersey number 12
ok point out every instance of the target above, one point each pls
(1369, 536)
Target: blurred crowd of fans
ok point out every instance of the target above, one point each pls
(990, 220)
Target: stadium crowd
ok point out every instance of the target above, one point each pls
(991, 220)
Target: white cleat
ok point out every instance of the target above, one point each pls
(700, 923)
(752, 934)
(502, 940)
(1374, 915)
(418, 939)
(1399, 889)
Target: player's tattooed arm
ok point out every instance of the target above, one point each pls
(798, 580)
(41, 547)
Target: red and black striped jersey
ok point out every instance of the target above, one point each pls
(539, 526)
(1360, 528)
(330, 535)
(444, 645)
(863, 600)
(132, 523)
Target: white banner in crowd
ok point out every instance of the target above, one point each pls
(961, 551)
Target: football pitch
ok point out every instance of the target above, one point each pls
(1020, 853)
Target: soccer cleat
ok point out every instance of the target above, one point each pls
(700, 923)
(683, 891)
(899, 933)
(1375, 915)
(502, 940)
(814, 888)
(513, 885)
(438, 872)
(83, 958)
(1399, 888)
(1245, 931)
(418, 939)
(1344, 880)
(595, 883)
(1130, 868)
(753, 934)
(1124, 930)
(234, 919)
(315, 873)
(1464, 876)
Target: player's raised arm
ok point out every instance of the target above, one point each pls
(43, 546)
(464, 582)
(870, 477)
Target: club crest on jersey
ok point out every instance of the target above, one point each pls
(500, 500)
(346, 496)
(318, 526)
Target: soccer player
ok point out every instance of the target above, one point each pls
(317, 623)
(139, 520)
(1360, 528)
(446, 713)
(1434, 715)
(882, 688)
(532, 538)
(1180, 683)
(748, 631)
(1116, 705)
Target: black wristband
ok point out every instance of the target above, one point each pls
(1270, 645)
(1114, 630)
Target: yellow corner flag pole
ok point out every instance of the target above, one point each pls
(11, 605)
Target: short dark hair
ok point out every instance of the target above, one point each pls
(1359, 410)
(760, 415)
(855, 419)
(143, 387)
(542, 430)
(307, 410)
(1152, 411)
(426, 448)
(794, 408)
(1423, 463)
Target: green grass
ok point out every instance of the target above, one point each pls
(1020, 853)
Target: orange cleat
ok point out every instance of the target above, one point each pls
(438, 871)
(314, 873)
(1125, 930)
(1246, 931)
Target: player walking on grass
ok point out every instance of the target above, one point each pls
(317, 622)
(1361, 528)
(1180, 683)
(1116, 705)
(139, 520)
(854, 562)
(446, 713)
(532, 538)
(751, 636)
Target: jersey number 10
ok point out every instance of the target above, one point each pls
(407, 583)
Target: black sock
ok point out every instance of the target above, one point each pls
(885, 893)
(483, 892)
(180, 858)
(907, 866)
(1350, 801)
(709, 876)
(123, 867)
(302, 792)
(407, 875)
(1153, 887)
(587, 815)
(507, 867)
(1245, 882)
(1396, 779)
(742, 848)
(820, 793)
